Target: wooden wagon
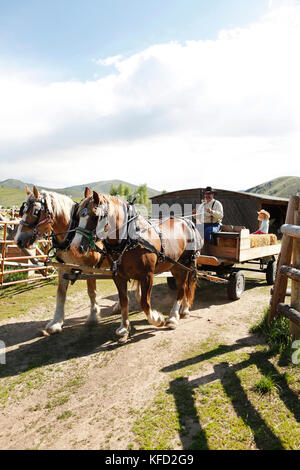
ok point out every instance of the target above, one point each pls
(217, 262)
(232, 246)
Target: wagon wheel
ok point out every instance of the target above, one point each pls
(172, 283)
(271, 272)
(236, 285)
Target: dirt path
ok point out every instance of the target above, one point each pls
(80, 389)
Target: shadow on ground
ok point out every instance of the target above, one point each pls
(264, 437)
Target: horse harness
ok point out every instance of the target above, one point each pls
(37, 214)
(56, 244)
(129, 243)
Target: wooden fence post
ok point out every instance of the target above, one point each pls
(285, 257)
(295, 296)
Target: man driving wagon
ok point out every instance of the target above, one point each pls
(209, 215)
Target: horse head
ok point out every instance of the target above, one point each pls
(36, 213)
(88, 217)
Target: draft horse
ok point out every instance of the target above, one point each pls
(137, 250)
(45, 212)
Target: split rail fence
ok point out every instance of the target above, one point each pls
(288, 268)
(16, 261)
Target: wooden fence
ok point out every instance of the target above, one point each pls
(289, 268)
(30, 262)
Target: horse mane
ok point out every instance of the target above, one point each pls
(58, 204)
(108, 199)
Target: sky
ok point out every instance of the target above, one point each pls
(176, 94)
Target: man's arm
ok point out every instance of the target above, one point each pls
(217, 211)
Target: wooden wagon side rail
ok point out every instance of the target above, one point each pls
(289, 268)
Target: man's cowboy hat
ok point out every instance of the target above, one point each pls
(264, 212)
(209, 190)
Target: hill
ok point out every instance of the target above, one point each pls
(285, 186)
(12, 191)
(103, 187)
(11, 196)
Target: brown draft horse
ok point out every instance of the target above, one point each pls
(106, 217)
(45, 211)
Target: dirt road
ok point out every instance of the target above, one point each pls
(82, 390)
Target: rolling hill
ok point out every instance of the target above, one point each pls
(285, 186)
(12, 191)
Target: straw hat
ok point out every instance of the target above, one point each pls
(265, 213)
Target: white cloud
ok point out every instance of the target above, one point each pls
(113, 60)
(204, 106)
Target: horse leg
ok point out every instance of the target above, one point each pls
(55, 325)
(95, 309)
(184, 308)
(154, 318)
(137, 290)
(124, 329)
(189, 293)
(181, 280)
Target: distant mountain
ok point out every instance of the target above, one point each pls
(104, 187)
(11, 183)
(12, 191)
(285, 186)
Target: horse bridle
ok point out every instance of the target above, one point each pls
(90, 235)
(37, 214)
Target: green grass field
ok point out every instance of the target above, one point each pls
(11, 197)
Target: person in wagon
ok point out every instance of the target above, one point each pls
(210, 214)
(263, 217)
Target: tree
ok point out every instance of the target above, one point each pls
(127, 193)
(121, 189)
(113, 190)
(143, 195)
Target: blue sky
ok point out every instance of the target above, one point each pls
(176, 94)
(63, 36)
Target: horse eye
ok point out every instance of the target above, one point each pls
(83, 212)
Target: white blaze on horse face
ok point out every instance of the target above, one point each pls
(19, 235)
(78, 237)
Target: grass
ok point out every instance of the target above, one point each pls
(218, 396)
(11, 197)
(277, 334)
(18, 300)
(14, 276)
(66, 414)
(265, 385)
(222, 396)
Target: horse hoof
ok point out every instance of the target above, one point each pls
(185, 314)
(123, 339)
(54, 329)
(172, 324)
(43, 333)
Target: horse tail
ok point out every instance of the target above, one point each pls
(191, 288)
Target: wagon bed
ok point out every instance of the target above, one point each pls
(235, 247)
(232, 246)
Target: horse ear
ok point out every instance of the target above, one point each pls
(28, 192)
(36, 192)
(96, 197)
(87, 192)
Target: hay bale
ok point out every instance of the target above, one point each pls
(263, 240)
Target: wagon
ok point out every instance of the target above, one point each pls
(216, 263)
(231, 247)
